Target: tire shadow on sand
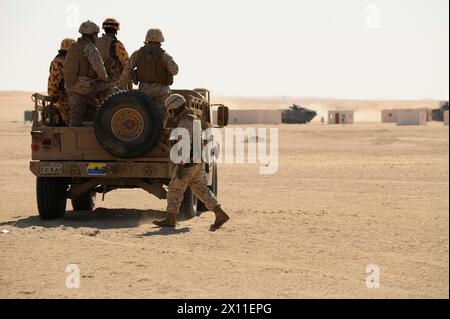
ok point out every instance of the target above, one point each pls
(100, 218)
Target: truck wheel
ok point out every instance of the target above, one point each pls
(213, 187)
(188, 207)
(128, 124)
(51, 193)
(84, 202)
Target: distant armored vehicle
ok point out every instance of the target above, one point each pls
(438, 114)
(297, 115)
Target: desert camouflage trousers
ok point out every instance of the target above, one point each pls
(194, 177)
(157, 92)
(80, 110)
(79, 97)
(64, 109)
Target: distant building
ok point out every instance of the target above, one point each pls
(238, 117)
(429, 114)
(390, 116)
(446, 117)
(340, 117)
(412, 117)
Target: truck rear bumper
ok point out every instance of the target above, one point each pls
(101, 169)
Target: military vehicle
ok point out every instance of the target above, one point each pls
(297, 115)
(438, 114)
(126, 146)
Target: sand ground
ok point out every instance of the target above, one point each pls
(344, 197)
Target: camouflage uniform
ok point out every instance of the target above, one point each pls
(55, 84)
(159, 92)
(188, 174)
(55, 87)
(94, 85)
(114, 55)
(193, 175)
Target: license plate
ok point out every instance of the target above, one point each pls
(96, 169)
(51, 169)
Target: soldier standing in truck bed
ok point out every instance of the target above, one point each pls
(154, 68)
(188, 174)
(113, 52)
(85, 74)
(55, 85)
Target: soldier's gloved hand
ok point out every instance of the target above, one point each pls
(181, 171)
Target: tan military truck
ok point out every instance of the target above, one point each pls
(126, 146)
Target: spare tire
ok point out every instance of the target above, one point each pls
(128, 124)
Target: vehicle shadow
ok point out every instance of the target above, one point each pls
(100, 218)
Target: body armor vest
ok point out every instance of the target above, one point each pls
(151, 67)
(106, 45)
(77, 64)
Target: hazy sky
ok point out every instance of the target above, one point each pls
(346, 48)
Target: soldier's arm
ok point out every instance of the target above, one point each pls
(55, 77)
(121, 53)
(187, 124)
(96, 61)
(171, 66)
(127, 70)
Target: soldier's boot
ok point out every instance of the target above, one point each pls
(169, 221)
(221, 218)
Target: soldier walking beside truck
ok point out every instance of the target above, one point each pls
(188, 174)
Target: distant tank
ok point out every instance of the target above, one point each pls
(297, 115)
(438, 114)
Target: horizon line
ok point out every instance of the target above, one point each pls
(327, 98)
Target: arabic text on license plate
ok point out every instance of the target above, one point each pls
(51, 169)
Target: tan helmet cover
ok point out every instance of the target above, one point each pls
(88, 27)
(111, 23)
(174, 101)
(154, 35)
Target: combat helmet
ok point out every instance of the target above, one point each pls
(89, 27)
(66, 44)
(111, 23)
(174, 102)
(154, 35)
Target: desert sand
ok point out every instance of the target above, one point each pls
(344, 197)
